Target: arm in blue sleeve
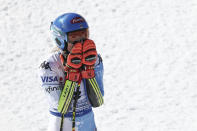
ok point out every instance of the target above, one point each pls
(99, 71)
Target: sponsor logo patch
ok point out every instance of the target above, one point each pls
(49, 79)
(55, 88)
(45, 65)
(77, 20)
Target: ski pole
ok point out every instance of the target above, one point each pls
(76, 97)
(62, 122)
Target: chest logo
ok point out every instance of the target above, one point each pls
(49, 79)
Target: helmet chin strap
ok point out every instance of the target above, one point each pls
(65, 50)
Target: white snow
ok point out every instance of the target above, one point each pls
(149, 49)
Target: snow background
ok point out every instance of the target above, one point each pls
(150, 57)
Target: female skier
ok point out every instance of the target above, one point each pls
(72, 77)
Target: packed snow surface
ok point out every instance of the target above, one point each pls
(149, 50)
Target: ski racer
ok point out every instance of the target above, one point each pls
(72, 76)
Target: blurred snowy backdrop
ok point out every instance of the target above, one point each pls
(149, 49)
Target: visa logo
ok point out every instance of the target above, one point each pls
(49, 79)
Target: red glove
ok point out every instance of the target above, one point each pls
(74, 62)
(89, 59)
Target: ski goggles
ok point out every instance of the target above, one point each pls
(57, 32)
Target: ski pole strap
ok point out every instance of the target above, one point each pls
(76, 97)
